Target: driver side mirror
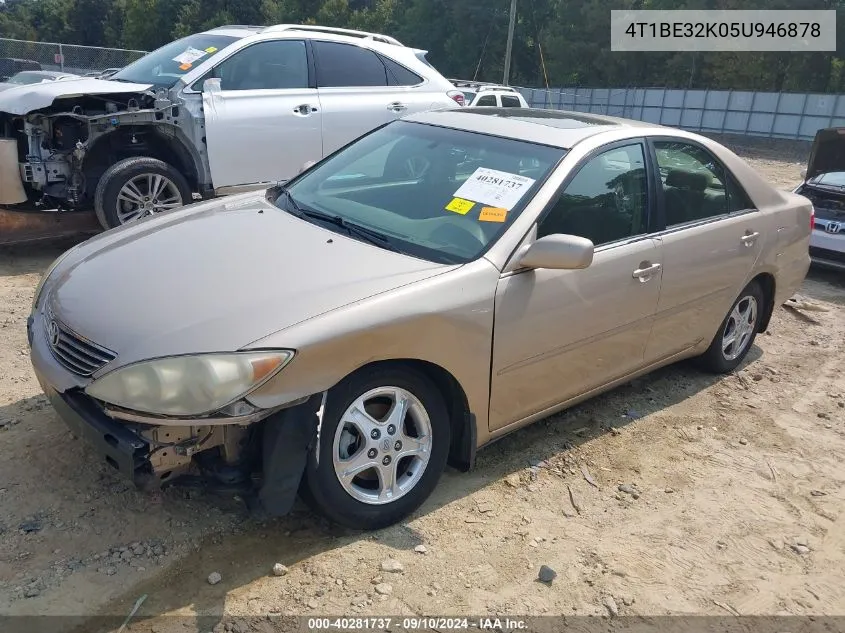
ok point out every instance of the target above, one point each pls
(558, 252)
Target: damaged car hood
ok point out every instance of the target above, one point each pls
(216, 278)
(26, 98)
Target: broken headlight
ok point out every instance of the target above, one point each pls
(188, 385)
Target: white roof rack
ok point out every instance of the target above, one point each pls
(386, 39)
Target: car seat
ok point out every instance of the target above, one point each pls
(684, 192)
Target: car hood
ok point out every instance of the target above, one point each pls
(216, 278)
(36, 96)
(828, 153)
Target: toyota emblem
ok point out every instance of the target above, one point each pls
(833, 227)
(53, 333)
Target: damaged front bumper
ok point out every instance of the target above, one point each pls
(264, 459)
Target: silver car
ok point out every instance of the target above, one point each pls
(350, 333)
(824, 185)
(30, 77)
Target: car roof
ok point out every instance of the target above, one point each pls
(558, 128)
(306, 30)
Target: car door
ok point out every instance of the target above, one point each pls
(355, 92)
(712, 239)
(264, 123)
(561, 333)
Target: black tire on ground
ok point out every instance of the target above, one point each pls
(116, 176)
(715, 360)
(321, 488)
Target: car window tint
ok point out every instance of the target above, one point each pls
(510, 102)
(487, 100)
(607, 200)
(695, 185)
(398, 75)
(277, 65)
(340, 65)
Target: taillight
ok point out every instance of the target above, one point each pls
(457, 96)
(812, 218)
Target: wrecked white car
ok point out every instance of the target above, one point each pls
(211, 113)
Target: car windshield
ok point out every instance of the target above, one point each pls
(25, 78)
(829, 179)
(436, 193)
(166, 65)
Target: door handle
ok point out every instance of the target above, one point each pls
(749, 238)
(304, 109)
(397, 107)
(646, 272)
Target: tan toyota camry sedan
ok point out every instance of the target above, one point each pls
(436, 284)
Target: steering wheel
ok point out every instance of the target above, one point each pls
(460, 235)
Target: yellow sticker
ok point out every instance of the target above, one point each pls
(211, 49)
(459, 205)
(493, 214)
(185, 66)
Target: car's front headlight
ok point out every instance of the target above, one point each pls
(46, 274)
(188, 385)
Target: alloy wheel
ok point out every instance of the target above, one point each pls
(382, 445)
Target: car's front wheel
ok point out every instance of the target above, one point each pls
(737, 333)
(383, 446)
(134, 188)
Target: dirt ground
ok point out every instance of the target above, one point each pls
(733, 501)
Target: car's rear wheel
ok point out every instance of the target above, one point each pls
(383, 446)
(737, 333)
(134, 188)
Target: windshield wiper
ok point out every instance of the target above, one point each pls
(368, 235)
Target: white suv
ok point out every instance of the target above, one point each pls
(489, 95)
(214, 112)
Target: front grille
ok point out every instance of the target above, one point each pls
(74, 352)
(826, 254)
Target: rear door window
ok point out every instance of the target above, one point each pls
(398, 75)
(695, 185)
(510, 102)
(347, 65)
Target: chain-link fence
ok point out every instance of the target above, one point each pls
(18, 55)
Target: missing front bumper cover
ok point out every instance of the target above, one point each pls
(266, 460)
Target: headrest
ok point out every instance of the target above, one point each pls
(683, 179)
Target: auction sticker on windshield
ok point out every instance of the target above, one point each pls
(492, 214)
(458, 205)
(190, 55)
(496, 188)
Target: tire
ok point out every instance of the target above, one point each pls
(362, 503)
(716, 359)
(114, 209)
